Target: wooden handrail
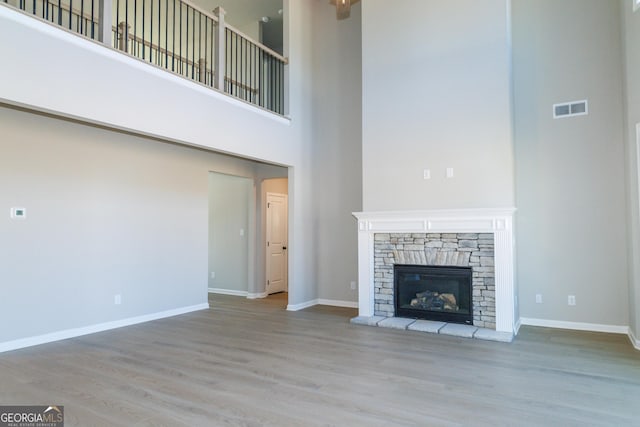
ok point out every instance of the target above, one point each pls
(260, 45)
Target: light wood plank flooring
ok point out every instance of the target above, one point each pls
(250, 363)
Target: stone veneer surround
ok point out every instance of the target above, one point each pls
(498, 222)
(475, 250)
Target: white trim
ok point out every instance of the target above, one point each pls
(638, 162)
(337, 303)
(100, 327)
(322, 301)
(633, 339)
(257, 295)
(228, 292)
(578, 326)
(302, 305)
(516, 327)
(498, 221)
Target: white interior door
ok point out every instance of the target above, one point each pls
(276, 224)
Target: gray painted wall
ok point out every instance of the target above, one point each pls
(337, 148)
(107, 213)
(570, 186)
(231, 209)
(436, 94)
(631, 41)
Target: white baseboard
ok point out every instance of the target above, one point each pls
(337, 303)
(257, 295)
(321, 301)
(92, 329)
(578, 326)
(634, 340)
(302, 305)
(228, 292)
(516, 327)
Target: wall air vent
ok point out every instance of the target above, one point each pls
(570, 109)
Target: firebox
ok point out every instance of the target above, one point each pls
(433, 293)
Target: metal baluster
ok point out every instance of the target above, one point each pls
(159, 49)
(187, 46)
(135, 27)
(261, 77)
(92, 23)
(244, 68)
(125, 32)
(166, 34)
(229, 50)
(206, 45)
(193, 46)
(117, 37)
(59, 12)
(181, 59)
(173, 38)
(144, 16)
(151, 32)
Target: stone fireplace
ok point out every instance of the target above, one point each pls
(479, 239)
(471, 250)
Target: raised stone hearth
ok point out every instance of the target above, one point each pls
(431, 327)
(478, 238)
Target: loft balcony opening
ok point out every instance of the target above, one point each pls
(186, 39)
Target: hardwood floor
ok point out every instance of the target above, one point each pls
(250, 363)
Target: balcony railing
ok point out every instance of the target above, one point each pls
(179, 37)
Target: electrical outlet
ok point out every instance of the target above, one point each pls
(117, 299)
(538, 298)
(213, 274)
(426, 174)
(449, 172)
(571, 300)
(353, 286)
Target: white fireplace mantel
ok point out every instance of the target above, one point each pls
(496, 221)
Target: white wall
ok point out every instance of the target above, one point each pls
(570, 187)
(231, 213)
(631, 41)
(436, 94)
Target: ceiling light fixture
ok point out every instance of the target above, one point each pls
(343, 7)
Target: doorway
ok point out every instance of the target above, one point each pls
(276, 243)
